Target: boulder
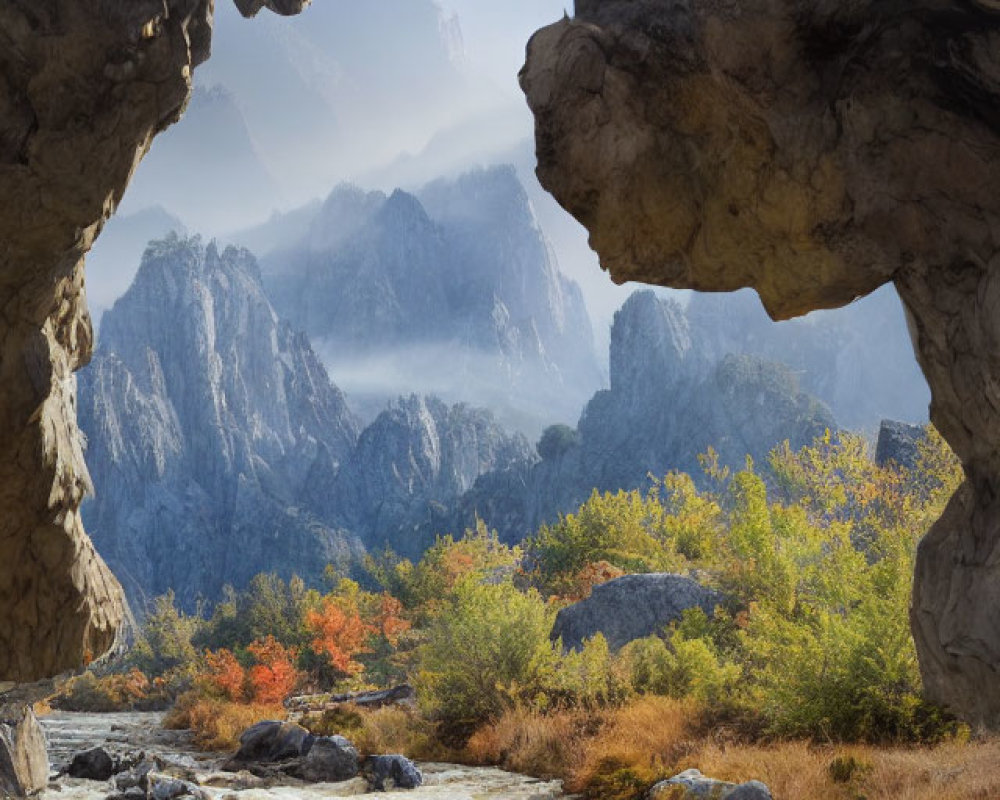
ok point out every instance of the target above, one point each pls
(24, 760)
(94, 765)
(392, 772)
(330, 759)
(631, 607)
(136, 778)
(167, 787)
(273, 740)
(692, 785)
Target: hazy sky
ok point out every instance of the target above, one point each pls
(370, 92)
(496, 33)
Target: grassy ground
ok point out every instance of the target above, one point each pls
(616, 754)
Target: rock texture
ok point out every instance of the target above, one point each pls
(812, 151)
(411, 464)
(898, 443)
(24, 763)
(631, 607)
(85, 86)
(670, 399)
(692, 785)
(453, 291)
(213, 432)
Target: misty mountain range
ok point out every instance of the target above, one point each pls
(375, 366)
(220, 447)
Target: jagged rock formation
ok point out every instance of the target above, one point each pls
(858, 360)
(454, 292)
(671, 398)
(898, 443)
(812, 151)
(213, 432)
(631, 607)
(411, 464)
(24, 764)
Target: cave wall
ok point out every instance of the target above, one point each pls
(812, 151)
(85, 85)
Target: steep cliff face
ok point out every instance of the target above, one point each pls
(813, 152)
(453, 291)
(858, 360)
(671, 398)
(213, 431)
(412, 463)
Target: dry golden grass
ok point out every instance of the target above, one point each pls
(398, 730)
(545, 746)
(217, 724)
(392, 729)
(797, 770)
(620, 752)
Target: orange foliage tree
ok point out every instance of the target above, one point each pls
(339, 633)
(274, 676)
(225, 674)
(390, 621)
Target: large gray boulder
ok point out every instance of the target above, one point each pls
(631, 607)
(95, 764)
(24, 761)
(697, 787)
(330, 759)
(273, 740)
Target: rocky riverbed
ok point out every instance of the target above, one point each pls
(70, 733)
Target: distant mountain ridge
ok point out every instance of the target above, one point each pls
(671, 399)
(453, 291)
(219, 448)
(207, 419)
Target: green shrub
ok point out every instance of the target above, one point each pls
(486, 651)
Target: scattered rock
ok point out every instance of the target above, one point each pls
(24, 761)
(631, 607)
(93, 765)
(392, 772)
(135, 793)
(135, 778)
(697, 786)
(166, 787)
(238, 781)
(404, 694)
(330, 759)
(273, 740)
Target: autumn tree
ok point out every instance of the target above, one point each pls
(274, 676)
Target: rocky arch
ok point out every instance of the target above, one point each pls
(85, 85)
(813, 151)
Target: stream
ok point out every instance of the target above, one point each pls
(70, 733)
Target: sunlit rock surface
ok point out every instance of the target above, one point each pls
(85, 85)
(813, 151)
